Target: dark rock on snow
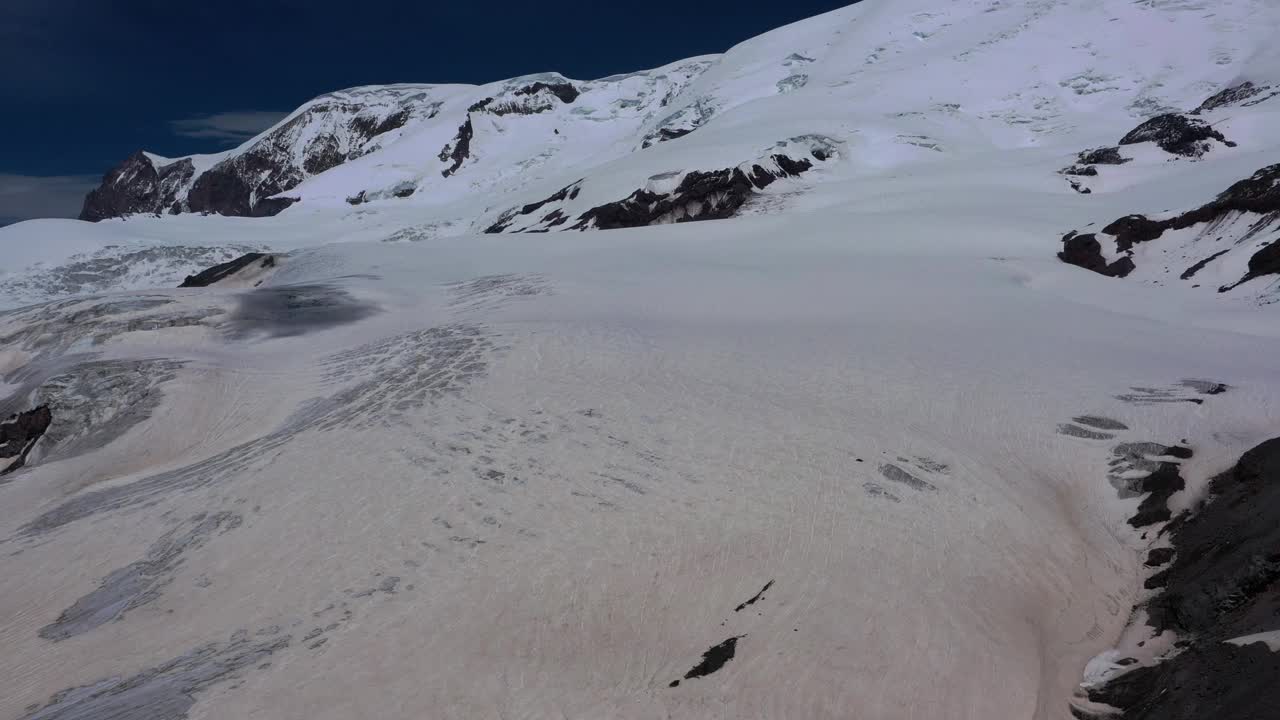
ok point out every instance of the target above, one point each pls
(1241, 94)
(1177, 134)
(568, 192)
(1258, 194)
(458, 149)
(18, 435)
(1222, 583)
(1102, 156)
(713, 195)
(565, 91)
(1085, 251)
(712, 660)
(244, 184)
(701, 195)
(136, 186)
(212, 275)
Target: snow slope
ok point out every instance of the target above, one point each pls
(865, 448)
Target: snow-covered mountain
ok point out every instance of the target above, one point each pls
(848, 96)
(958, 404)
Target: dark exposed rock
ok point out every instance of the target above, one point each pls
(568, 192)
(1133, 229)
(1159, 556)
(1102, 156)
(458, 149)
(1258, 194)
(404, 190)
(1101, 423)
(712, 195)
(1205, 681)
(268, 207)
(1225, 579)
(754, 598)
(527, 100)
(1234, 95)
(223, 191)
(1082, 170)
(212, 275)
(1160, 485)
(356, 199)
(245, 184)
(173, 178)
(681, 122)
(1085, 251)
(1264, 262)
(1177, 134)
(19, 434)
(565, 91)
(131, 187)
(1223, 583)
(371, 127)
(712, 660)
(1085, 162)
(1200, 265)
(665, 134)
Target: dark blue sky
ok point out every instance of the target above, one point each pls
(86, 82)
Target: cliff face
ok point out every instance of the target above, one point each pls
(524, 119)
(244, 182)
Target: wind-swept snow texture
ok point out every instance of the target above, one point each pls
(793, 412)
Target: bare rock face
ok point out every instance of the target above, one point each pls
(249, 182)
(1221, 585)
(458, 149)
(132, 187)
(1257, 197)
(19, 434)
(1085, 251)
(212, 275)
(1244, 94)
(1177, 134)
(673, 197)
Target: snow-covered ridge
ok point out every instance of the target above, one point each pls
(900, 84)
(860, 446)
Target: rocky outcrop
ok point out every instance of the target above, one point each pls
(1087, 162)
(700, 195)
(569, 192)
(1085, 251)
(1176, 134)
(673, 197)
(1220, 595)
(1247, 209)
(137, 186)
(681, 122)
(529, 99)
(563, 90)
(18, 435)
(458, 149)
(1264, 262)
(248, 183)
(713, 195)
(1244, 94)
(219, 272)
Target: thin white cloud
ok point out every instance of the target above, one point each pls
(229, 127)
(23, 197)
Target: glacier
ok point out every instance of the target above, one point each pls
(751, 386)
